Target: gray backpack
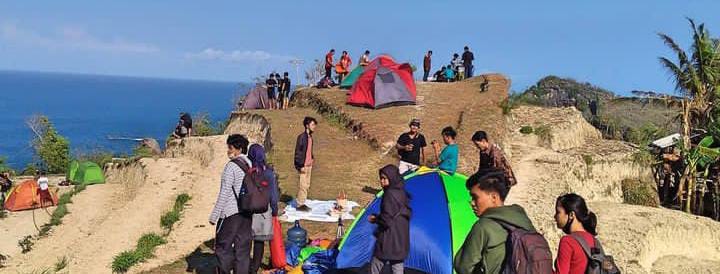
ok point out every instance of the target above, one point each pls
(598, 261)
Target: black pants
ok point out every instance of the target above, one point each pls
(232, 243)
(468, 70)
(258, 252)
(328, 72)
(425, 75)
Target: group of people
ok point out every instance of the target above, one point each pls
(278, 91)
(342, 67)
(460, 67)
(484, 249)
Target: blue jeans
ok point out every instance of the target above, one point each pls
(469, 71)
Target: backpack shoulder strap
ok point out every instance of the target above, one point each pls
(583, 243)
(242, 164)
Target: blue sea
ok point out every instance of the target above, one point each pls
(87, 109)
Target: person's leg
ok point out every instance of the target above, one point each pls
(425, 75)
(376, 265)
(258, 252)
(303, 185)
(225, 234)
(328, 72)
(340, 77)
(242, 241)
(397, 267)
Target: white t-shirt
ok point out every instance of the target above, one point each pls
(43, 182)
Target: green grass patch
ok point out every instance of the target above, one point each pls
(526, 130)
(147, 243)
(58, 214)
(26, 244)
(637, 192)
(65, 198)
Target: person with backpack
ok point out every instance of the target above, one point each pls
(233, 226)
(497, 240)
(5, 186)
(304, 162)
(492, 156)
(579, 252)
(262, 226)
(392, 235)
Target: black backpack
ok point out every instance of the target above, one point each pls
(527, 252)
(598, 262)
(256, 195)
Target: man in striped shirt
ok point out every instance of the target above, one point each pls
(233, 228)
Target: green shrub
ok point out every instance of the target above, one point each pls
(203, 125)
(168, 219)
(125, 260)
(79, 188)
(4, 167)
(26, 244)
(57, 215)
(544, 133)
(29, 170)
(65, 198)
(51, 149)
(637, 192)
(61, 264)
(147, 243)
(180, 201)
(526, 130)
(142, 152)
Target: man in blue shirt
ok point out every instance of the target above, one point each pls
(447, 159)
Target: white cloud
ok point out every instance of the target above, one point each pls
(236, 55)
(70, 38)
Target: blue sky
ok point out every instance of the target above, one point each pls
(612, 44)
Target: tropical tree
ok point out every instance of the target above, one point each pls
(697, 80)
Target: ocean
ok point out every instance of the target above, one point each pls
(87, 109)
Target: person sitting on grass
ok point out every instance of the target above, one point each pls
(393, 223)
(446, 160)
(440, 75)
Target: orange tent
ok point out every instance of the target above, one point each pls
(26, 195)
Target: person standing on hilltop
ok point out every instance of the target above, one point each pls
(365, 59)
(447, 160)
(271, 84)
(492, 156)
(285, 90)
(329, 64)
(427, 65)
(278, 91)
(304, 161)
(468, 59)
(345, 63)
(411, 148)
(233, 229)
(457, 66)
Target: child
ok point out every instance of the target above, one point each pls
(393, 223)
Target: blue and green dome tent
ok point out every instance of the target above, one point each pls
(441, 220)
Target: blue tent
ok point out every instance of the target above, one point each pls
(441, 219)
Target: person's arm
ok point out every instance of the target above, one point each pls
(436, 150)
(225, 195)
(562, 263)
(469, 257)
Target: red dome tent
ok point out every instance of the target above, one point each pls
(384, 83)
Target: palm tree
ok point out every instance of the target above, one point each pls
(697, 79)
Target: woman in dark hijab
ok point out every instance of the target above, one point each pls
(393, 223)
(262, 223)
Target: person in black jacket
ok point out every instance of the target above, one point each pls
(393, 223)
(304, 161)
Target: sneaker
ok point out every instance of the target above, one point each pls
(303, 208)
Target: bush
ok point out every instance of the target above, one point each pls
(65, 198)
(203, 125)
(180, 201)
(142, 152)
(4, 167)
(147, 243)
(58, 214)
(51, 149)
(26, 244)
(29, 170)
(125, 260)
(99, 157)
(168, 219)
(526, 130)
(545, 134)
(637, 192)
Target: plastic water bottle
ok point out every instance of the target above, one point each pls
(297, 235)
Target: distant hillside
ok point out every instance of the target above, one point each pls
(632, 119)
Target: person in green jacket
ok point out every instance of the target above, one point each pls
(484, 248)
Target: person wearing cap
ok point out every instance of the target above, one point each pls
(411, 148)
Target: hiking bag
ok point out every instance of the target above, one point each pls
(530, 252)
(598, 262)
(255, 193)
